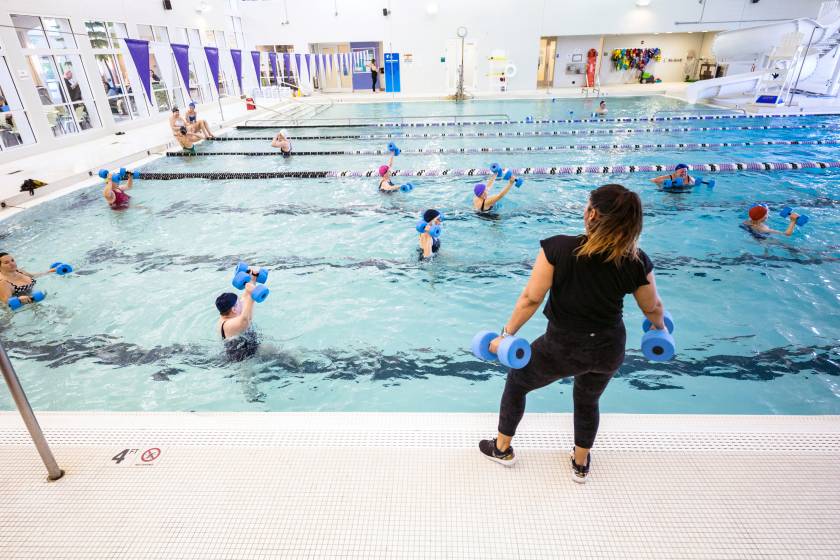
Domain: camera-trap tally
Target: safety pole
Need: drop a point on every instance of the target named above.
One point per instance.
(23, 406)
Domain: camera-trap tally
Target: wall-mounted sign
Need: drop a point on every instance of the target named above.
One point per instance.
(407, 57)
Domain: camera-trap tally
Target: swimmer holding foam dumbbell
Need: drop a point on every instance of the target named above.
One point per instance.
(482, 202)
(680, 176)
(281, 140)
(385, 183)
(114, 194)
(17, 287)
(757, 221)
(429, 228)
(236, 314)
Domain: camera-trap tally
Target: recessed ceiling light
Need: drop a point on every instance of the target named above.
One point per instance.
(642, 3)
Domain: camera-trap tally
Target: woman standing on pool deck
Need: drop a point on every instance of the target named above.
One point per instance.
(15, 282)
(587, 277)
(374, 74)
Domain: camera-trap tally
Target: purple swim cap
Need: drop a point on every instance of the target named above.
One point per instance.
(383, 169)
(479, 189)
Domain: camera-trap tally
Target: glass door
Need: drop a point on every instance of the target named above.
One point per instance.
(545, 68)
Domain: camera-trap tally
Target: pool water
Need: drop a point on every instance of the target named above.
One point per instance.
(356, 322)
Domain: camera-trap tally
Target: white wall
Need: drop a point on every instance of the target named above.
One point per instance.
(512, 26)
(674, 46)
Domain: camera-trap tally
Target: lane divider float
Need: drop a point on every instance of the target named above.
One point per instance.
(535, 133)
(482, 171)
(525, 149)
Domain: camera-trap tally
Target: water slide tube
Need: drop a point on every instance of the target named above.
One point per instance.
(749, 46)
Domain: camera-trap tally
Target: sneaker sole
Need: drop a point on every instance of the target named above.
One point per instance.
(503, 462)
(578, 479)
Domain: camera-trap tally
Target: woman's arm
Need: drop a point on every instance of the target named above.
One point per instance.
(531, 297)
(792, 225)
(491, 180)
(647, 298)
(108, 193)
(5, 292)
(497, 197)
(426, 244)
(661, 179)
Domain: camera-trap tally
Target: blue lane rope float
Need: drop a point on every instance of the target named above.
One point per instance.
(480, 171)
(535, 133)
(387, 124)
(524, 149)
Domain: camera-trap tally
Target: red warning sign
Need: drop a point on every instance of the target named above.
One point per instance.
(150, 455)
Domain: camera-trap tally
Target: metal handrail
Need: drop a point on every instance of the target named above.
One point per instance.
(25, 409)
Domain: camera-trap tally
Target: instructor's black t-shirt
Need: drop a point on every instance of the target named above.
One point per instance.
(587, 292)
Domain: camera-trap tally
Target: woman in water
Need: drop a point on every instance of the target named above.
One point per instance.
(196, 125)
(586, 277)
(385, 183)
(482, 202)
(234, 324)
(680, 172)
(757, 222)
(179, 129)
(281, 141)
(429, 245)
(114, 194)
(15, 282)
(602, 108)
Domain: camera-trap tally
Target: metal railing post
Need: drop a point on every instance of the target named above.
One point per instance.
(23, 406)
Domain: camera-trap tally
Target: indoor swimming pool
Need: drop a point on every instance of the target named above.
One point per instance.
(356, 322)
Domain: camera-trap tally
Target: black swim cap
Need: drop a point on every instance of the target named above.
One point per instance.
(430, 215)
(225, 302)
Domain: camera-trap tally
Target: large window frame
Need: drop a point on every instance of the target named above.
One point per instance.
(15, 129)
(106, 42)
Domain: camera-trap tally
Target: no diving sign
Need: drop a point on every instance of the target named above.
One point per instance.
(137, 456)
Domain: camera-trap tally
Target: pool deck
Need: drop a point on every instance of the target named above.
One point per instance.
(413, 485)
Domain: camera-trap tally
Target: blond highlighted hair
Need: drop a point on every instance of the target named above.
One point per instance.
(614, 233)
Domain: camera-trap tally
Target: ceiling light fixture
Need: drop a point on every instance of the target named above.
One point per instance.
(643, 3)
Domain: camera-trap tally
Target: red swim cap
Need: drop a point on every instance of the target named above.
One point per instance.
(758, 212)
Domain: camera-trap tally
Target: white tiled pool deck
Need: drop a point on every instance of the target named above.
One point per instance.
(369, 485)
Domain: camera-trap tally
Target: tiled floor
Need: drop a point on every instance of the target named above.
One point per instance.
(324, 485)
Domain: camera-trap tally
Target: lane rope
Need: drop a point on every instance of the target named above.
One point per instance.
(482, 171)
(540, 121)
(535, 133)
(525, 149)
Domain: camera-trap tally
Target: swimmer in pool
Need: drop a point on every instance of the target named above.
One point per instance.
(234, 324)
(429, 245)
(281, 141)
(180, 131)
(482, 202)
(757, 222)
(385, 183)
(680, 172)
(15, 282)
(196, 125)
(602, 108)
(114, 194)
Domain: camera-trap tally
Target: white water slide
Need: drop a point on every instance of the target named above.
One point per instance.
(766, 47)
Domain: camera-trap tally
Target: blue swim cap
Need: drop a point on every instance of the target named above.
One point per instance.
(680, 166)
(225, 302)
(192, 103)
(479, 189)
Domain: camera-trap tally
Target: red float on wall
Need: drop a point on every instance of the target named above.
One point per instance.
(591, 58)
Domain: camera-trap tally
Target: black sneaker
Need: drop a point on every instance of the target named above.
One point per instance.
(580, 472)
(489, 449)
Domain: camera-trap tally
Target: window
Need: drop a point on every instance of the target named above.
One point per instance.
(105, 34)
(161, 33)
(209, 38)
(165, 96)
(14, 122)
(221, 42)
(239, 36)
(180, 35)
(64, 92)
(36, 32)
(114, 76)
(195, 37)
(145, 32)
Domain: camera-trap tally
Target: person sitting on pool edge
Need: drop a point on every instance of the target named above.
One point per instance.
(282, 141)
(385, 183)
(429, 245)
(114, 194)
(602, 108)
(234, 324)
(680, 172)
(587, 277)
(757, 222)
(180, 131)
(484, 203)
(196, 125)
(15, 282)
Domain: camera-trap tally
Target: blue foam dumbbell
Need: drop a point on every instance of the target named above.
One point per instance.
(393, 148)
(496, 168)
(434, 231)
(61, 268)
(406, 187)
(529, 119)
(518, 182)
(103, 173)
(508, 174)
(708, 182)
(658, 346)
(513, 352)
(800, 221)
(260, 293)
(678, 182)
(243, 268)
(15, 303)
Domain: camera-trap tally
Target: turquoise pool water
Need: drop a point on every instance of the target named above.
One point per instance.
(356, 322)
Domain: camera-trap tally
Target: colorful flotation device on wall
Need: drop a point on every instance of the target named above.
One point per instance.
(624, 59)
(591, 58)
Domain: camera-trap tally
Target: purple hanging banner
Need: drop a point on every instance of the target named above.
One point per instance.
(308, 74)
(182, 57)
(286, 66)
(272, 65)
(139, 51)
(236, 55)
(255, 56)
(213, 60)
(298, 68)
(318, 69)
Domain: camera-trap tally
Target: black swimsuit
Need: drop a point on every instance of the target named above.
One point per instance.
(240, 347)
(24, 290)
(390, 184)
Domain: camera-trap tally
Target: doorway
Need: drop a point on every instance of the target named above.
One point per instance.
(452, 56)
(545, 68)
